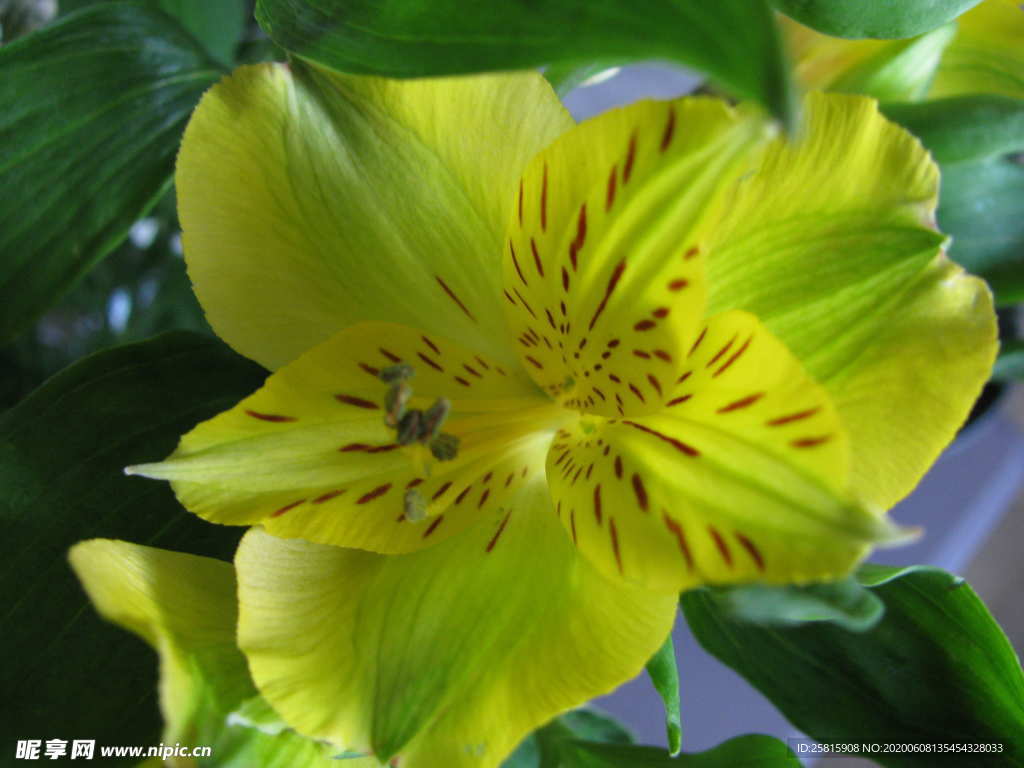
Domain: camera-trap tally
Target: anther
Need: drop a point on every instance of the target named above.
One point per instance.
(396, 373)
(444, 447)
(410, 428)
(415, 506)
(433, 418)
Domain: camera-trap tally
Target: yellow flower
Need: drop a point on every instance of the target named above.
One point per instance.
(660, 349)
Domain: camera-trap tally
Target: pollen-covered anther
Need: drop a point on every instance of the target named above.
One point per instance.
(395, 403)
(415, 506)
(434, 417)
(394, 374)
(410, 428)
(444, 447)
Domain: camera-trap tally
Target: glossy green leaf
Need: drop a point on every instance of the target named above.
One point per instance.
(936, 669)
(751, 751)
(733, 41)
(91, 113)
(886, 19)
(62, 451)
(664, 673)
(964, 128)
(1010, 364)
(217, 24)
(845, 603)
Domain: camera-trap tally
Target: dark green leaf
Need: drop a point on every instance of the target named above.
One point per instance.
(542, 749)
(741, 752)
(91, 113)
(964, 128)
(664, 674)
(19, 17)
(1010, 365)
(936, 669)
(734, 41)
(887, 19)
(217, 24)
(845, 603)
(62, 451)
(980, 206)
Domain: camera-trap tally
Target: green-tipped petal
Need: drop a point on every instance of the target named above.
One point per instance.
(738, 477)
(311, 200)
(310, 453)
(604, 262)
(184, 606)
(988, 53)
(446, 657)
(831, 244)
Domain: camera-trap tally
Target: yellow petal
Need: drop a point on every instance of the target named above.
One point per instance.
(310, 455)
(312, 200)
(987, 55)
(831, 244)
(446, 657)
(740, 476)
(604, 268)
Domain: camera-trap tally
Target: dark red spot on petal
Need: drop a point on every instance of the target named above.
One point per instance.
(440, 491)
(431, 344)
(328, 496)
(615, 543)
(483, 497)
(436, 366)
(661, 354)
(722, 351)
(791, 417)
(753, 551)
(677, 530)
(597, 503)
(627, 169)
(535, 363)
(735, 356)
(462, 381)
(679, 445)
(723, 548)
(453, 297)
(497, 535)
(678, 400)
(670, 127)
(678, 284)
(284, 509)
(741, 403)
(370, 369)
(544, 201)
(697, 342)
(636, 391)
(515, 262)
(692, 253)
(536, 258)
(810, 442)
(462, 495)
(618, 467)
(565, 280)
(572, 524)
(274, 417)
(609, 198)
(390, 355)
(661, 312)
(358, 402)
(640, 492)
(433, 526)
(520, 202)
(644, 325)
(652, 379)
(377, 492)
(640, 353)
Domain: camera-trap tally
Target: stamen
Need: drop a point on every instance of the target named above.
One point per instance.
(433, 418)
(444, 447)
(415, 506)
(395, 401)
(394, 374)
(410, 428)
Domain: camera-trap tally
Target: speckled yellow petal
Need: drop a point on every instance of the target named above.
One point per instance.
(739, 477)
(603, 261)
(830, 242)
(448, 657)
(310, 454)
(312, 200)
(987, 55)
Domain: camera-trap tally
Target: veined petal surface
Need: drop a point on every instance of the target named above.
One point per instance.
(312, 200)
(445, 657)
(830, 242)
(987, 55)
(309, 454)
(604, 261)
(740, 476)
(184, 606)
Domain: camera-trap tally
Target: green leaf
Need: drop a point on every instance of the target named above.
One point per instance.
(1010, 364)
(845, 603)
(217, 24)
(886, 19)
(735, 42)
(979, 205)
(542, 749)
(62, 451)
(964, 128)
(750, 751)
(664, 674)
(91, 113)
(936, 669)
